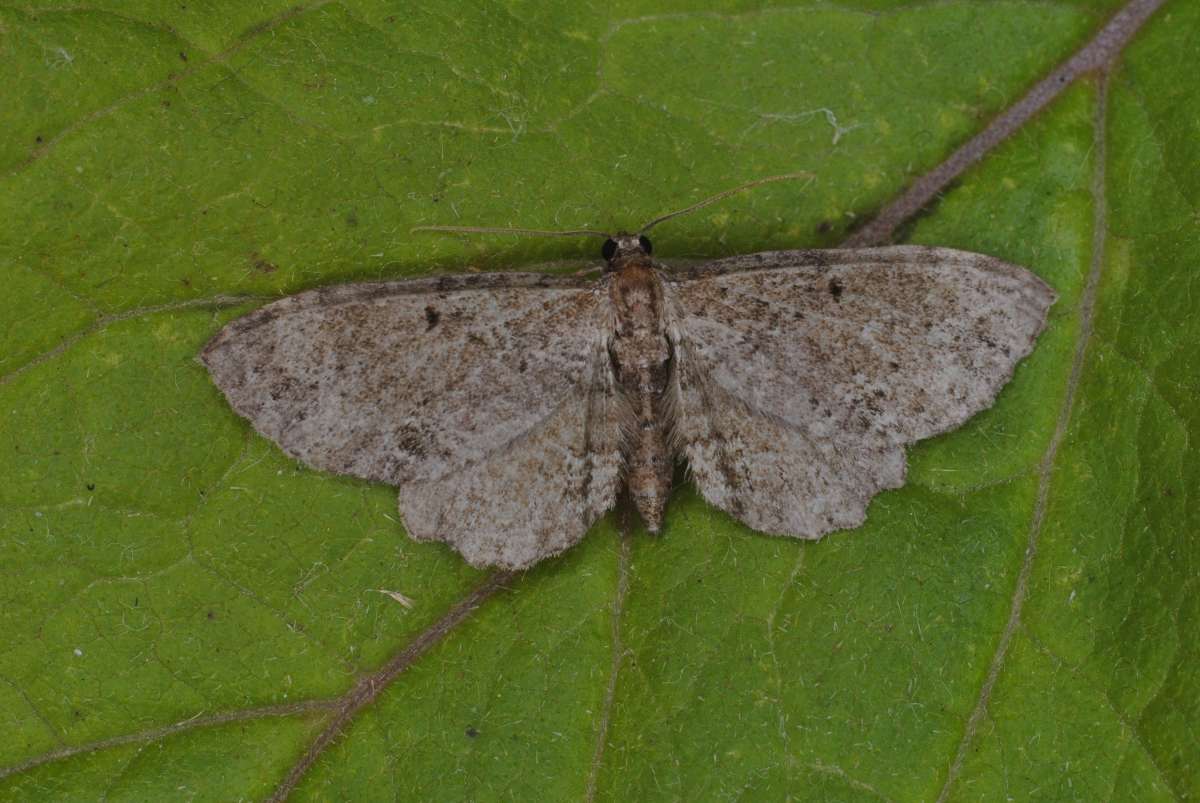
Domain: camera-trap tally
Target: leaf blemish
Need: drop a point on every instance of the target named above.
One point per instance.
(261, 264)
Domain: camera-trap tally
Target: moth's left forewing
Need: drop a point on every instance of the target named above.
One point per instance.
(801, 374)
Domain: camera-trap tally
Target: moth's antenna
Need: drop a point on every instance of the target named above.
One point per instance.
(518, 232)
(714, 198)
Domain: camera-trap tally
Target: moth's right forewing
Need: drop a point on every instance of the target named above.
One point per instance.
(903, 342)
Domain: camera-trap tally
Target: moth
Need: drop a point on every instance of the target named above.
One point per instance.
(512, 410)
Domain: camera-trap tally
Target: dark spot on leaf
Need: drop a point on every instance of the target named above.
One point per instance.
(432, 316)
(261, 264)
(471, 732)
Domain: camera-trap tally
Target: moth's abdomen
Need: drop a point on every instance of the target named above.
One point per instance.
(650, 466)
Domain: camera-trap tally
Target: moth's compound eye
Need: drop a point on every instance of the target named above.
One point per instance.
(609, 250)
(644, 242)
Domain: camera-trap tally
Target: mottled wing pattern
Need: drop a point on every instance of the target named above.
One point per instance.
(801, 375)
(487, 399)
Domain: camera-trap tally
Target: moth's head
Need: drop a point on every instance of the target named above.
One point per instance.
(621, 248)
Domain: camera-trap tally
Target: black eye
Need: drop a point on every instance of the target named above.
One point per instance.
(644, 242)
(609, 250)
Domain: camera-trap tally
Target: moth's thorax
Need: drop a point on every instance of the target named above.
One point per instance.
(640, 339)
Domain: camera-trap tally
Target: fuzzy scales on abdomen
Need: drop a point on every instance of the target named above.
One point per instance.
(641, 355)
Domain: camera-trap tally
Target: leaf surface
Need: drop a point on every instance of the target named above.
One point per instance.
(184, 609)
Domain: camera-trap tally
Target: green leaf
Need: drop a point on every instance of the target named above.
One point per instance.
(184, 610)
